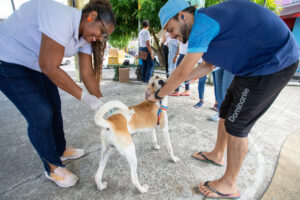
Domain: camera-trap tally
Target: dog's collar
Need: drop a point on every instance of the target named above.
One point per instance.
(165, 108)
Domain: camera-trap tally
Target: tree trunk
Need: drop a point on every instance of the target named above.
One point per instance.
(159, 51)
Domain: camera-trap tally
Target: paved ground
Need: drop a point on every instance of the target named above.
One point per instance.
(22, 176)
(286, 180)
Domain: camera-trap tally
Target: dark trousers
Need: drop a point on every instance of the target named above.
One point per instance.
(37, 98)
(166, 53)
(148, 66)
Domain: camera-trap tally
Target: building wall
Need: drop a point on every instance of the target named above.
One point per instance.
(296, 30)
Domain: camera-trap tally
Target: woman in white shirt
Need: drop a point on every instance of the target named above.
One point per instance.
(145, 46)
(33, 42)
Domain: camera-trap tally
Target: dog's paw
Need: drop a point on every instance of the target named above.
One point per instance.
(175, 159)
(156, 147)
(102, 186)
(144, 188)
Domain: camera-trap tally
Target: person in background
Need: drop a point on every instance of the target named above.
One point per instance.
(33, 42)
(145, 46)
(201, 88)
(222, 80)
(164, 42)
(181, 50)
(172, 57)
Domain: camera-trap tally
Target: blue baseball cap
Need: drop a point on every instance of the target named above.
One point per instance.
(170, 9)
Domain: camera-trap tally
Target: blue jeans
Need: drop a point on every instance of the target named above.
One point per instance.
(37, 98)
(148, 66)
(173, 46)
(201, 87)
(222, 80)
(187, 86)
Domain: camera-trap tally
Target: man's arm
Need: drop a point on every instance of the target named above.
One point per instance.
(87, 74)
(176, 55)
(163, 40)
(201, 70)
(50, 58)
(180, 74)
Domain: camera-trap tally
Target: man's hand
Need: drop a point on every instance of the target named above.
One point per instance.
(152, 57)
(174, 59)
(94, 102)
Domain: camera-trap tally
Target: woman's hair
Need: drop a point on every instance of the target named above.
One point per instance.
(145, 23)
(104, 10)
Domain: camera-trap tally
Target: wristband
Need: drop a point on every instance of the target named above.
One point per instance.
(156, 95)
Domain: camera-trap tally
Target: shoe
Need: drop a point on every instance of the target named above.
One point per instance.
(185, 93)
(62, 177)
(71, 153)
(174, 94)
(215, 108)
(215, 117)
(199, 104)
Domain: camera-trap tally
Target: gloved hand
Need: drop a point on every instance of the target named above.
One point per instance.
(94, 102)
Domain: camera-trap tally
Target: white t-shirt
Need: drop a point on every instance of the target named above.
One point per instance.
(183, 48)
(168, 37)
(144, 36)
(20, 34)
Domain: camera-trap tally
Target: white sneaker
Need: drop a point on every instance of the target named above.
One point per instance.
(215, 117)
(62, 177)
(71, 153)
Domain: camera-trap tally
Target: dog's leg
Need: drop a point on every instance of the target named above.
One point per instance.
(154, 140)
(165, 129)
(132, 160)
(106, 151)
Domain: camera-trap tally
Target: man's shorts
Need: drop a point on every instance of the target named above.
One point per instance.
(248, 98)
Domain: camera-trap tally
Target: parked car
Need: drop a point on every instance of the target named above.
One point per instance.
(129, 58)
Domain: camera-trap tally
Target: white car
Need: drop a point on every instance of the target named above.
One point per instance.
(130, 58)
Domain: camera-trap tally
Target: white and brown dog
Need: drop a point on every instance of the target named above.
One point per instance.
(119, 126)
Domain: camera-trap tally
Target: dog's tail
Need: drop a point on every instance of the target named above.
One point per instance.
(99, 116)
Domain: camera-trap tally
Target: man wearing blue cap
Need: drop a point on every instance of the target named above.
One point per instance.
(257, 48)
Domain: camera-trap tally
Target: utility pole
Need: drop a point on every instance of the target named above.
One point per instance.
(13, 5)
(139, 18)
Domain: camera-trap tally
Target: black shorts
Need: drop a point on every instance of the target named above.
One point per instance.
(248, 98)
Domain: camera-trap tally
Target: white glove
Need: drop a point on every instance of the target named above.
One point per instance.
(94, 102)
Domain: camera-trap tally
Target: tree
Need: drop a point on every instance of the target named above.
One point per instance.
(125, 12)
(270, 4)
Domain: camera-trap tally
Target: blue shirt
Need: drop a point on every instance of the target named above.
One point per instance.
(243, 38)
(20, 33)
